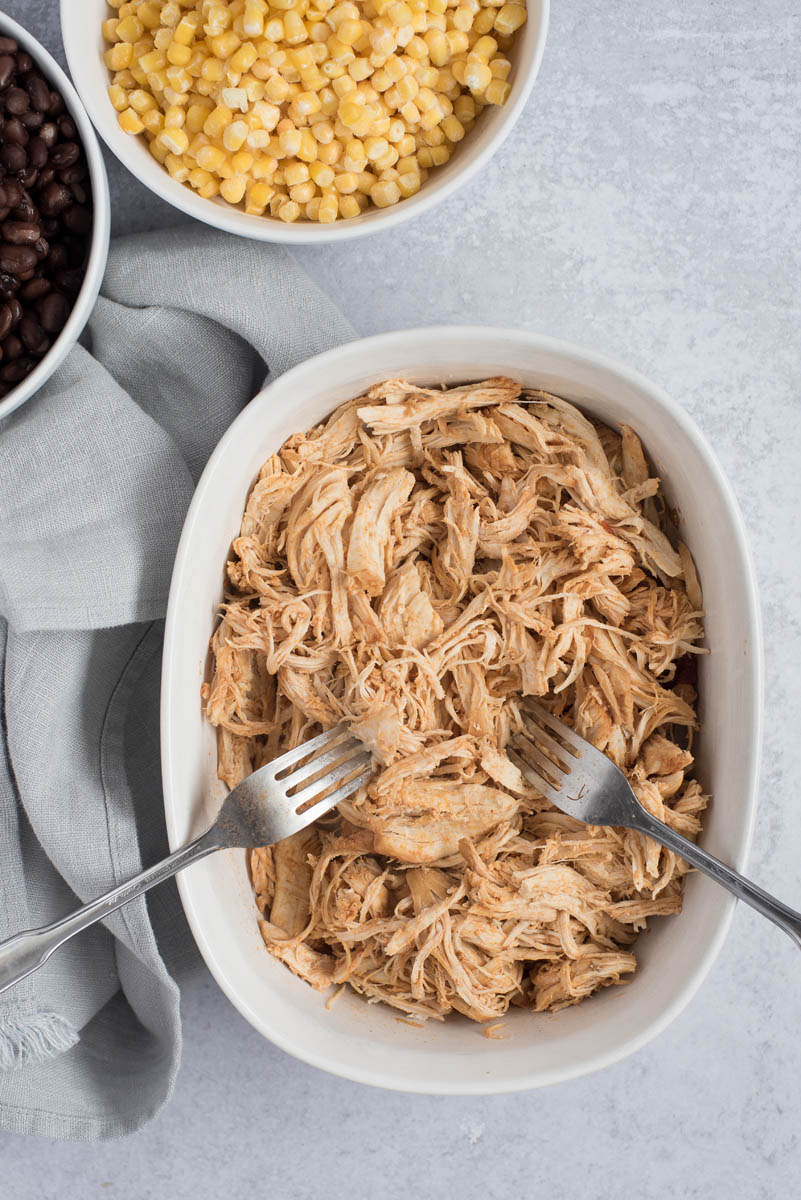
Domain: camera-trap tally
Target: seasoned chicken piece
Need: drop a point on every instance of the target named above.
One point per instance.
(370, 532)
(407, 615)
(409, 406)
(291, 909)
(429, 819)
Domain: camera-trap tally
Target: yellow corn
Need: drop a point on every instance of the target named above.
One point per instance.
(233, 189)
(306, 109)
(119, 56)
(130, 121)
(497, 91)
(508, 20)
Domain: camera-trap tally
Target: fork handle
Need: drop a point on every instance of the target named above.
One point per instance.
(25, 952)
(780, 914)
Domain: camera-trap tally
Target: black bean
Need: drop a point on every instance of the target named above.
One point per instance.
(46, 175)
(67, 128)
(32, 121)
(79, 193)
(34, 289)
(28, 178)
(78, 219)
(24, 62)
(54, 198)
(65, 154)
(32, 335)
(13, 372)
(13, 190)
(13, 157)
(9, 285)
(6, 321)
(49, 133)
(53, 312)
(37, 153)
(8, 46)
(17, 260)
(25, 210)
(16, 310)
(57, 258)
(17, 101)
(14, 131)
(70, 280)
(20, 233)
(6, 68)
(56, 104)
(12, 346)
(39, 93)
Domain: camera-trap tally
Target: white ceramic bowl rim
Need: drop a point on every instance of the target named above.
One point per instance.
(173, 696)
(83, 53)
(101, 222)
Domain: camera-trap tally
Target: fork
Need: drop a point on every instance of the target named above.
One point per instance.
(582, 782)
(274, 802)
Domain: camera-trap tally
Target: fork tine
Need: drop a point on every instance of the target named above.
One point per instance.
(574, 742)
(543, 787)
(565, 757)
(308, 749)
(340, 771)
(528, 750)
(321, 807)
(306, 772)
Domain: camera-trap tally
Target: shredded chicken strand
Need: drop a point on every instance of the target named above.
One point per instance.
(414, 565)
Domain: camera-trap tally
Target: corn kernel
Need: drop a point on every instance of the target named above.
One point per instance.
(109, 29)
(497, 91)
(178, 55)
(294, 29)
(153, 120)
(129, 30)
(289, 211)
(509, 19)
(210, 158)
(385, 193)
(118, 97)
(477, 75)
(253, 21)
(308, 150)
(259, 195)
(452, 128)
(119, 56)
(174, 141)
(217, 121)
(409, 183)
(233, 189)
(129, 121)
(289, 141)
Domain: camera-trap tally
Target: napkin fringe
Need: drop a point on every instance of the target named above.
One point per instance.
(34, 1038)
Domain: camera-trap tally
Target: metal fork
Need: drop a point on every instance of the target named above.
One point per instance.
(582, 782)
(279, 799)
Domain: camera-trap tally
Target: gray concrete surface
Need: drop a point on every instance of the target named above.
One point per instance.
(646, 205)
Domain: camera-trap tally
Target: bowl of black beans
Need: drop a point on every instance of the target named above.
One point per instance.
(54, 215)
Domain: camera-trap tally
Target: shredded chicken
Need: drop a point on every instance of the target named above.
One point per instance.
(414, 565)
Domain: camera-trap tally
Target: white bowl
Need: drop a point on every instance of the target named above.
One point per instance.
(367, 1042)
(80, 28)
(98, 250)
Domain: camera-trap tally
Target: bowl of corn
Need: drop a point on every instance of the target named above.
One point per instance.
(304, 120)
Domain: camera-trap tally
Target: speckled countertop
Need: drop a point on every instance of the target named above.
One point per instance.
(646, 205)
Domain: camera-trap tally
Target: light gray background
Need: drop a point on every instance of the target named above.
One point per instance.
(646, 205)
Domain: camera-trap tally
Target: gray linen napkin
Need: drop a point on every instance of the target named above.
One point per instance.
(96, 473)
